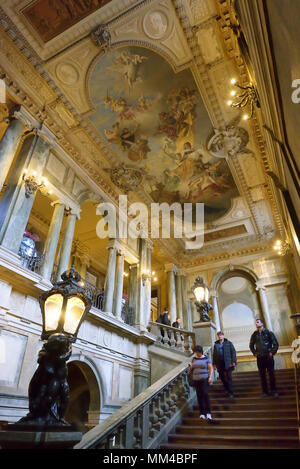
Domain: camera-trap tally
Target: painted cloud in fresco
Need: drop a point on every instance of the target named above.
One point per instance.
(155, 120)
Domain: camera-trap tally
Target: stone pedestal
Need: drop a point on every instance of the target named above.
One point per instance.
(205, 333)
(15, 437)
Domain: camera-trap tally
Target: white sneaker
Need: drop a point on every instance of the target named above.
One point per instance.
(202, 417)
(208, 416)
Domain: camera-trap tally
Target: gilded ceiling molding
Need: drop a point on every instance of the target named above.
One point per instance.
(210, 99)
(228, 22)
(249, 251)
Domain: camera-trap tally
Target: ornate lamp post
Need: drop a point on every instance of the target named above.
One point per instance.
(64, 307)
(201, 292)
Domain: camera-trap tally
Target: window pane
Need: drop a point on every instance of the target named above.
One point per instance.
(74, 312)
(53, 306)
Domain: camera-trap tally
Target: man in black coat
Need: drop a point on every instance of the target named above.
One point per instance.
(178, 326)
(263, 344)
(224, 360)
(163, 318)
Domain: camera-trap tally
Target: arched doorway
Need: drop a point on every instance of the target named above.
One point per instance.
(84, 396)
(239, 305)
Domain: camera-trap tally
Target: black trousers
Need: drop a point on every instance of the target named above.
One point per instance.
(226, 377)
(266, 364)
(202, 388)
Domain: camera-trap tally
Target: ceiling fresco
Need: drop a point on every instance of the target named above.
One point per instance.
(156, 122)
(52, 17)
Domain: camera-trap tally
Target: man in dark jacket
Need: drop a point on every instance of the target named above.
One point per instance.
(263, 344)
(178, 326)
(224, 359)
(163, 318)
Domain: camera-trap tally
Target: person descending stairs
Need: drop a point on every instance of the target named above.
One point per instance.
(246, 421)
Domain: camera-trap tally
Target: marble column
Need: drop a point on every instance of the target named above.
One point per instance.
(264, 305)
(110, 280)
(17, 219)
(148, 284)
(178, 287)
(186, 306)
(217, 322)
(8, 147)
(171, 292)
(144, 279)
(133, 290)
(66, 245)
(117, 310)
(52, 241)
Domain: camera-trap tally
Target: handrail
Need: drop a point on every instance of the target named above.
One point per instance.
(143, 422)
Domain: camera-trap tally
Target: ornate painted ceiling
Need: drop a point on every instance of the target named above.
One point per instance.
(136, 93)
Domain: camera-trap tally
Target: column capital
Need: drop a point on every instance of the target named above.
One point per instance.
(57, 202)
(260, 285)
(182, 272)
(214, 293)
(171, 268)
(26, 118)
(70, 205)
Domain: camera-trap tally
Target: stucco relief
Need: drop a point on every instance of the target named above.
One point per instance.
(252, 170)
(67, 73)
(200, 10)
(15, 63)
(209, 44)
(155, 24)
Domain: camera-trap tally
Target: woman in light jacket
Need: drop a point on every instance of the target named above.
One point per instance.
(202, 371)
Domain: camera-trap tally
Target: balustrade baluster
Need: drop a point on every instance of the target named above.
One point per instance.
(153, 419)
(145, 425)
(137, 431)
(129, 428)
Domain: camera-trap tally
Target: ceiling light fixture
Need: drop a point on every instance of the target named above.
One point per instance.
(247, 97)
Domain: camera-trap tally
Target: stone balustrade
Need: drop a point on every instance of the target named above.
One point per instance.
(177, 339)
(146, 420)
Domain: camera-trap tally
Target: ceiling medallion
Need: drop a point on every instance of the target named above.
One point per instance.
(127, 179)
(229, 142)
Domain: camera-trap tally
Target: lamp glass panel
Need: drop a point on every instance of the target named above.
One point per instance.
(199, 293)
(53, 307)
(74, 312)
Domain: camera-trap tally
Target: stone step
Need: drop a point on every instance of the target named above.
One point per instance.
(283, 413)
(217, 428)
(257, 441)
(242, 398)
(231, 405)
(290, 391)
(246, 421)
(226, 445)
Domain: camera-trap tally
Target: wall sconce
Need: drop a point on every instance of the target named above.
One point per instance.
(146, 276)
(281, 247)
(248, 96)
(31, 183)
